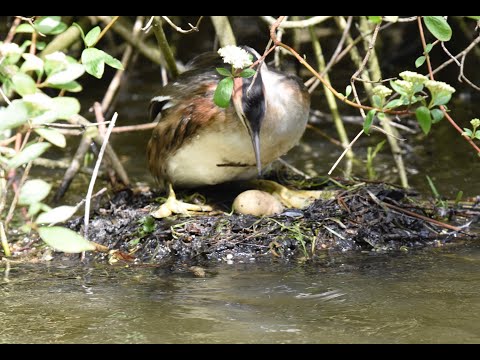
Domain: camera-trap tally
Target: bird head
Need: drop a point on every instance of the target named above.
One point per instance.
(250, 104)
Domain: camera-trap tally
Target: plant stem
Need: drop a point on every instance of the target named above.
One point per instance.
(164, 47)
(223, 30)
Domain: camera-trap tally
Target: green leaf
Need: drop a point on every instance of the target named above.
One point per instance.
(72, 72)
(224, 72)
(467, 132)
(94, 62)
(112, 62)
(92, 36)
(33, 191)
(437, 115)
(377, 101)
(441, 99)
(423, 117)
(428, 48)
(14, 115)
(71, 86)
(247, 73)
(53, 136)
(24, 28)
(369, 120)
(23, 84)
(57, 215)
(223, 92)
(65, 240)
(394, 103)
(439, 27)
(40, 45)
(65, 107)
(473, 17)
(31, 63)
(30, 153)
(375, 19)
(420, 61)
(348, 91)
(34, 209)
(399, 88)
(48, 25)
(477, 135)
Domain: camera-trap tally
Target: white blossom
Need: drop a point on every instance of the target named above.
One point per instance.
(413, 77)
(382, 91)
(235, 56)
(406, 85)
(439, 86)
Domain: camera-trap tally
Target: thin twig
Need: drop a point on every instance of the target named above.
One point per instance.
(5, 98)
(94, 175)
(12, 31)
(460, 54)
(4, 241)
(106, 28)
(13, 205)
(128, 128)
(424, 218)
(179, 29)
(74, 167)
(117, 78)
(345, 152)
(315, 20)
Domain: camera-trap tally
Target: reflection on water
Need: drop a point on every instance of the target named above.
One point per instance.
(426, 296)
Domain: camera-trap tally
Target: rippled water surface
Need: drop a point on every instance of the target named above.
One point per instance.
(425, 296)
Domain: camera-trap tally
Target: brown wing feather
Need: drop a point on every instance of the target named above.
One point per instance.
(178, 125)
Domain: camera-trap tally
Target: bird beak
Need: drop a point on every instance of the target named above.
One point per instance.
(252, 125)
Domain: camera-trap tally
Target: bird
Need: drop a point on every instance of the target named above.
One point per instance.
(197, 143)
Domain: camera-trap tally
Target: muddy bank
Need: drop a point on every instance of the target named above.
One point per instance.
(373, 217)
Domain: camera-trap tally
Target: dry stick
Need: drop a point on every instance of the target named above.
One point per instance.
(462, 75)
(110, 153)
(94, 175)
(105, 29)
(332, 104)
(102, 131)
(117, 79)
(315, 20)
(179, 29)
(140, 127)
(74, 167)
(333, 59)
(4, 241)
(460, 54)
(17, 195)
(345, 152)
(429, 65)
(11, 32)
(425, 218)
(223, 30)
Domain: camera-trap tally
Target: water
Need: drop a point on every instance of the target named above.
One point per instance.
(425, 296)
